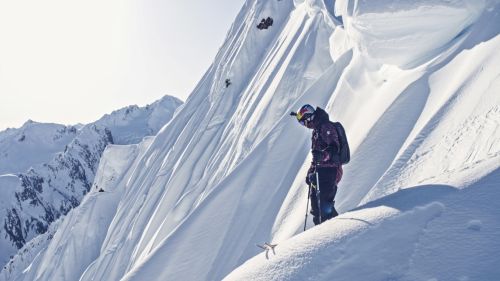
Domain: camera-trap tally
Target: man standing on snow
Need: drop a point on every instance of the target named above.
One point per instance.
(326, 164)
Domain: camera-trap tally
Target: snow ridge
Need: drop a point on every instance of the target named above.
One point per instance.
(61, 162)
(420, 108)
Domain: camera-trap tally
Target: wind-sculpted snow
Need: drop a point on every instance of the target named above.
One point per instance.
(215, 147)
(406, 33)
(228, 171)
(84, 227)
(62, 162)
(410, 129)
(420, 233)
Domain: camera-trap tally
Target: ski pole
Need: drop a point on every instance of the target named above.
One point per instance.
(307, 206)
(318, 192)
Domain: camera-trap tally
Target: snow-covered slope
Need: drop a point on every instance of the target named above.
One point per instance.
(60, 163)
(421, 109)
(429, 232)
(37, 143)
(32, 200)
(419, 131)
(32, 144)
(130, 124)
(82, 226)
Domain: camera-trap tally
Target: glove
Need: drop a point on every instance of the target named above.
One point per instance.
(317, 156)
(311, 179)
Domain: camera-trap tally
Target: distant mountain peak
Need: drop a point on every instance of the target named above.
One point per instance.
(55, 166)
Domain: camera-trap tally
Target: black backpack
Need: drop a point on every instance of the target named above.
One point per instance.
(344, 152)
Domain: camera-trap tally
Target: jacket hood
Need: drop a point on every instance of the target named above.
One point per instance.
(320, 116)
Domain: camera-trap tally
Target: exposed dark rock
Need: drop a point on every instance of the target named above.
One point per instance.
(68, 178)
(13, 227)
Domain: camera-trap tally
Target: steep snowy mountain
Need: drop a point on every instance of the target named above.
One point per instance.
(37, 143)
(50, 187)
(32, 144)
(130, 124)
(97, 208)
(415, 84)
(34, 199)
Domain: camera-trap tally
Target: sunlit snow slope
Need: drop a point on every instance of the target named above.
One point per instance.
(32, 144)
(422, 112)
(79, 235)
(49, 167)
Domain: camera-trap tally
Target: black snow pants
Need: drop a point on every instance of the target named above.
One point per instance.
(328, 190)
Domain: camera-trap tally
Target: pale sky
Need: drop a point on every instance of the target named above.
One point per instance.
(68, 61)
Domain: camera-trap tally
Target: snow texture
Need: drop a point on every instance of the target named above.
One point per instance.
(49, 167)
(415, 84)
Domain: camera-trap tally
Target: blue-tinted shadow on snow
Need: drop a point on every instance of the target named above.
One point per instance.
(409, 198)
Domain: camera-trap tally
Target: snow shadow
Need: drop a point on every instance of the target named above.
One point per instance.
(409, 198)
(377, 152)
(377, 160)
(469, 37)
(478, 33)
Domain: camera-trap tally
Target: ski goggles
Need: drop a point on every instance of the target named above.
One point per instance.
(305, 119)
(305, 114)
